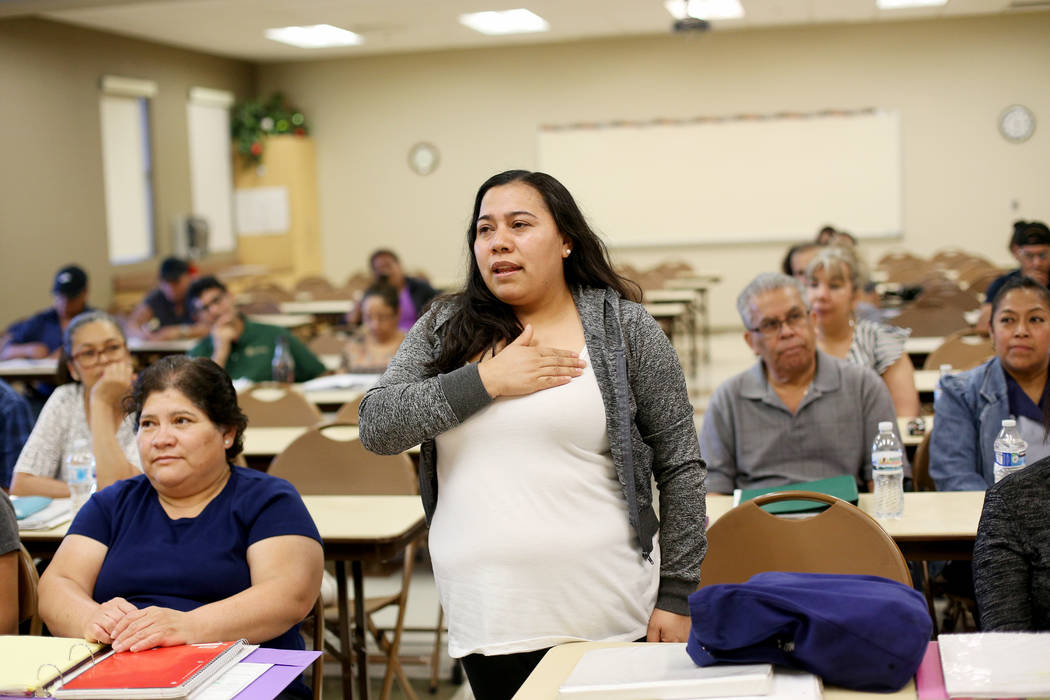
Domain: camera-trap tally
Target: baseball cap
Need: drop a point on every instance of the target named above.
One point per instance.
(70, 281)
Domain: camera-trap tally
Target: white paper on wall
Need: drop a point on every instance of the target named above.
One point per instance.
(262, 210)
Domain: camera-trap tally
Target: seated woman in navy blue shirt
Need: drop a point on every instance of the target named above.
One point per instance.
(195, 549)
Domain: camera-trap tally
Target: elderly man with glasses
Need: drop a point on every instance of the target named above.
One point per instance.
(797, 414)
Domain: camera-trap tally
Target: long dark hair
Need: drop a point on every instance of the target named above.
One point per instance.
(480, 320)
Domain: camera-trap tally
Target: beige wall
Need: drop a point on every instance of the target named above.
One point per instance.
(949, 80)
(52, 208)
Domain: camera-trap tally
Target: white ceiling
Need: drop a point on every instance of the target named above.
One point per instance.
(234, 28)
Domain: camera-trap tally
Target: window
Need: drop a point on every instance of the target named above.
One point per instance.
(127, 168)
(211, 168)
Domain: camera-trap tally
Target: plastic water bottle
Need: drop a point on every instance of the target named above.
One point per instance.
(1010, 450)
(283, 362)
(945, 371)
(80, 473)
(887, 470)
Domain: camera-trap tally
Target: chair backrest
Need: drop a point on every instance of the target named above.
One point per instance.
(275, 406)
(840, 540)
(28, 580)
(979, 282)
(930, 321)
(920, 466)
(962, 350)
(327, 343)
(348, 412)
(322, 462)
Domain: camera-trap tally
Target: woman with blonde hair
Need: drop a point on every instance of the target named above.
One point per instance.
(834, 279)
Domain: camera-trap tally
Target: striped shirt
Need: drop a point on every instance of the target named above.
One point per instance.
(876, 345)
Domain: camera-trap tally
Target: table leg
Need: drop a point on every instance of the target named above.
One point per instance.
(344, 629)
(359, 629)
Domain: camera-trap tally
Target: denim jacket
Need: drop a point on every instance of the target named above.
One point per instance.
(969, 414)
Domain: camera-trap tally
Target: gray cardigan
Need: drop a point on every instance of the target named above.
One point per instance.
(649, 418)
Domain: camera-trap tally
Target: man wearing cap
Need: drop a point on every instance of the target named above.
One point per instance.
(164, 314)
(41, 335)
(1030, 244)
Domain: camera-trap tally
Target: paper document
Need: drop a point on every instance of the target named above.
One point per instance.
(659, 672)
(341, 381)
(996, 664)
(232, 682)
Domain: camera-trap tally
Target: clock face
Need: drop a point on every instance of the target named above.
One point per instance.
(423, 158)
(1017, 123)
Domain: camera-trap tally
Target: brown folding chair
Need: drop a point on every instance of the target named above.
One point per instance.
(322, 462)
(930, 321)
(840, 540)
(277, 406)
(962, 350)
(348, 412)
(28, 580)
(920, 466)
(314, 287)
(328, 343)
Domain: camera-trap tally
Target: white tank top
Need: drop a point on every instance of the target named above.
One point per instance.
(530, 540)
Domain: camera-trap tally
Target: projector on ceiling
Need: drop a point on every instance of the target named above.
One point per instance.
(689, 25)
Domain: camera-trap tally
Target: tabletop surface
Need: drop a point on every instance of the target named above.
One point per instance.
(338, 518)
(558, 663)
(922, 344)
(930, 515)
(316, 306)
(26, 367)
(174, 345)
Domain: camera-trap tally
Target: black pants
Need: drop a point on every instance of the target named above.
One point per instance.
(499, 677)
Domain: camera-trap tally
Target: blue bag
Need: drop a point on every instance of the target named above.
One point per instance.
(859, 632)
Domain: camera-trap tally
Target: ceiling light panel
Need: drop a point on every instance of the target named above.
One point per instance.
(316, 36)
(705, 9)
(519, 21)
(901, 4)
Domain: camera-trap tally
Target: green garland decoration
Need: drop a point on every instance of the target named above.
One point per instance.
(253, 120)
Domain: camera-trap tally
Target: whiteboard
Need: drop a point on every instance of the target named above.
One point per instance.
(748, 179)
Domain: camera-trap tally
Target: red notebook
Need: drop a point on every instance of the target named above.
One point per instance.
(164, 672)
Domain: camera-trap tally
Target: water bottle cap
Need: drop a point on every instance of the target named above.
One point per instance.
(885, 426)
(1009, 423)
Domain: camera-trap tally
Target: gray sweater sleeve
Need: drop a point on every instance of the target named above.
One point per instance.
(409, 404)
(1011, 579)
(664, 417)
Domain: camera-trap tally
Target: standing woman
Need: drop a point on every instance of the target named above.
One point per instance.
(95, 355)
(973, 404)
(545, 401)
(834, 282)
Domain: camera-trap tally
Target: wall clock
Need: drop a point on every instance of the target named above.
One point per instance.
(1016, 123)
(423, 158)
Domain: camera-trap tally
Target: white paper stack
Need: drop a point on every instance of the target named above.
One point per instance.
(663, 672)
(996, 664)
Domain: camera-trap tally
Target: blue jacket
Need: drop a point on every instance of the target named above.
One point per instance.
(969, 414)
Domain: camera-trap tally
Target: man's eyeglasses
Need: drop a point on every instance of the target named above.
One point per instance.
(1033, 255)
(91, 356)
(770, 327)
(206, 306)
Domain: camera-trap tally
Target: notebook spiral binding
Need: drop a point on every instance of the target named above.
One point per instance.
(59, 680)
